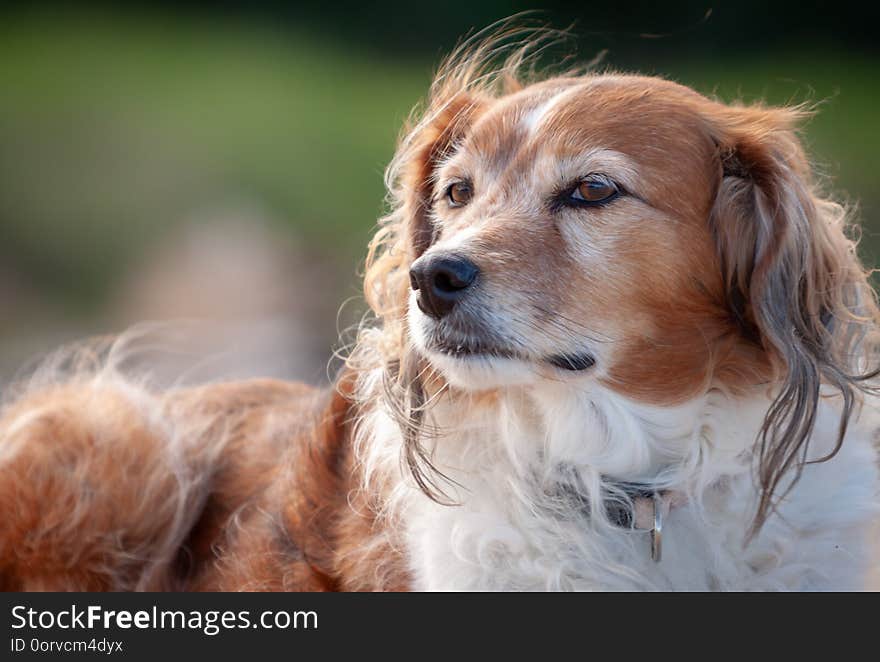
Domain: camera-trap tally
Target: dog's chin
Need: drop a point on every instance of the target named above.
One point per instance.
(480, 372)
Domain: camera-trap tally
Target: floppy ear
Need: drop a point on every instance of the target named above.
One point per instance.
(424, 150)
(794, 282)
(469, 81)
(404, 234)
(407, 231)
(433, 140)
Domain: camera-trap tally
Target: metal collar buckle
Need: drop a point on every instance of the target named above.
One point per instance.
(648, 513)
(657, 531)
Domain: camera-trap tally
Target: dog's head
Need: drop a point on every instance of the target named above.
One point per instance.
(618, 230)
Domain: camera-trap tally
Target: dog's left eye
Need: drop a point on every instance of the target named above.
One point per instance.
(459, 194)
(594, 190)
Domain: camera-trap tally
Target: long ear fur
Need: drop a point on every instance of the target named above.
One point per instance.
(406, 233)
(794, 281)
(468, 81)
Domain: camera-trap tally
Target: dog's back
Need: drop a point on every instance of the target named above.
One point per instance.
(107, 486)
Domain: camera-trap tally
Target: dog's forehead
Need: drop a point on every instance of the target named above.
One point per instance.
(600, 110)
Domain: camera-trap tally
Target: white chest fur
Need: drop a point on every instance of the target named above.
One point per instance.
(516, 530)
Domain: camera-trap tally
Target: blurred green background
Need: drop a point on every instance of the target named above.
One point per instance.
(225, 162)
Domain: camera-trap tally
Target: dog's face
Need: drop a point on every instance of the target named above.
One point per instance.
(570, 241)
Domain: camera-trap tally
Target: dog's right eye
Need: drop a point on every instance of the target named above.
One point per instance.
(459, 194)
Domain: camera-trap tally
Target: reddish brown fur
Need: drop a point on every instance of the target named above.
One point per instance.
(271, 512)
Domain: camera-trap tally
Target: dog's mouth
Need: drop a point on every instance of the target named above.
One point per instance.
(465, 348)
(572, 362)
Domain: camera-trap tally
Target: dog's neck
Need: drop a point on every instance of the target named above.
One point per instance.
(554, 431)
(532, 469)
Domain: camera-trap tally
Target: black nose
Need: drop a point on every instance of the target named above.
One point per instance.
(441, 280)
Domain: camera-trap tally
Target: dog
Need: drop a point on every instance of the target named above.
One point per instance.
(622, 341)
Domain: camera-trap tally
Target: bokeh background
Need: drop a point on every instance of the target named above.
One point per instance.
(224, 162)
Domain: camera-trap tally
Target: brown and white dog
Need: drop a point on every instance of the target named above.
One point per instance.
(622, 342)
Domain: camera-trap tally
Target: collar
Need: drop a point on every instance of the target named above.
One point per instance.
(644, 509)
(649, 508)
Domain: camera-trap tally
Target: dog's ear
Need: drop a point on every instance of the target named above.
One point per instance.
(794, 283)
(408, 230)
(467, 83)
(422, 151)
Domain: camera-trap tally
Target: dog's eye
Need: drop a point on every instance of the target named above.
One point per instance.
(594, 190)
(460, 193)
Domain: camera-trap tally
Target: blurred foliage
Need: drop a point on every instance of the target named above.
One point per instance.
(116, 126)
(114, 129)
